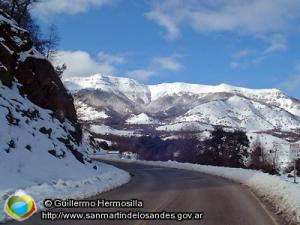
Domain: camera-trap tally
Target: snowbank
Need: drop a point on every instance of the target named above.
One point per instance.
(282, 194)
(108, 177)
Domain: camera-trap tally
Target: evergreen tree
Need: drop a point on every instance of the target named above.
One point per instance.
(226, 148)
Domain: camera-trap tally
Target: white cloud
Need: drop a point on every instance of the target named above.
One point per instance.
(247, 57)
(243, 53)
(110, 59)
(251, 16)
(234, 65)
(168, 63)
(80, 63)
(45, 8)
(157, 65)
(141, 74)
(259, 59)
(277, 43)
(165, 21)
(298, 67)
(293, 82)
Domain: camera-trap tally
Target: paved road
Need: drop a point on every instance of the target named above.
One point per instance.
(163, 189)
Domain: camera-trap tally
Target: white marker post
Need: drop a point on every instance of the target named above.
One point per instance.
(295, 154)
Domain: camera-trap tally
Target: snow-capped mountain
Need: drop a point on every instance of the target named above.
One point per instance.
(176, 106)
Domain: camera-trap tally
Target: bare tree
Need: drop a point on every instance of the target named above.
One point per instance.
(51, 42)
(60, 70)
(258, 156)
(4, 6)
(17, 9)
(274, 156)
(20, 11)
(261, 159)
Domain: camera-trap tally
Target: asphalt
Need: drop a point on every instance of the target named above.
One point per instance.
(172, 190)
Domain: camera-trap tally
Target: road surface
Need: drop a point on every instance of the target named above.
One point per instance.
(163, 189)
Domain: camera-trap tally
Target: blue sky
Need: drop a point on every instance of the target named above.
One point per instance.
(250, 43)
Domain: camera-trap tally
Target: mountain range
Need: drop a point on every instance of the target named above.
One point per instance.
(123, 103)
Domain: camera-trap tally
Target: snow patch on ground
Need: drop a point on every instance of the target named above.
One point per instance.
(103, 140)
(103, 129)
(142, 118)
(185, 126)
(88, 113)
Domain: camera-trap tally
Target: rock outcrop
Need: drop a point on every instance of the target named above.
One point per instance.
(19, 60)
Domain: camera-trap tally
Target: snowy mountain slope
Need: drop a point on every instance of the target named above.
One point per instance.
(30, 132)
(39, 155)
(146, 94)
(41, 147)
(252, 115)
(269, 96)
(181, 103)
(88, 113)
(120, 86)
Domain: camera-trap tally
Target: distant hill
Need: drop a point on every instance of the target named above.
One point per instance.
(122, 101)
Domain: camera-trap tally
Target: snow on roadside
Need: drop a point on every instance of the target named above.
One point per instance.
(282, 194)
(109, 177)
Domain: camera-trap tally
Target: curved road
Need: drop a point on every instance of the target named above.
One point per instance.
(162, 189)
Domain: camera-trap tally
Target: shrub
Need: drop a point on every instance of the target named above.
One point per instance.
(259, 159)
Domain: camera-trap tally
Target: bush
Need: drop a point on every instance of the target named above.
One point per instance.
(290, 168)
(259, 159)
(152, 148)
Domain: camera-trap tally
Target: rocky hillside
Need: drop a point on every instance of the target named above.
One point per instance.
(122, 102)
(40, 140)
(20, 61)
